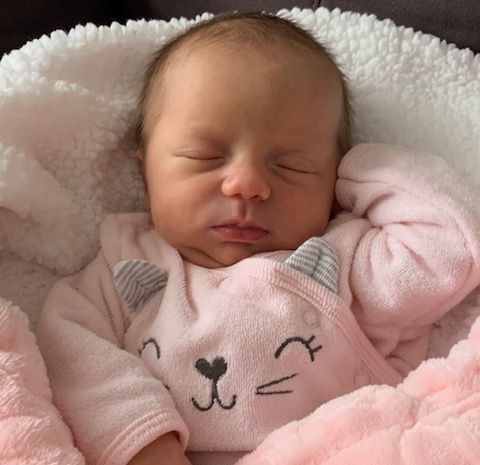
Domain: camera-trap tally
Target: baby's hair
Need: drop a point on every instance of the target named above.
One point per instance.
(262, 29)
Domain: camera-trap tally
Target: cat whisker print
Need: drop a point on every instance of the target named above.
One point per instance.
(260, 389)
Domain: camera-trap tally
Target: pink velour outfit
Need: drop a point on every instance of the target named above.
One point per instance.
(141, 342)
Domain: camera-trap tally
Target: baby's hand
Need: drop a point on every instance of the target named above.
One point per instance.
(166, 450)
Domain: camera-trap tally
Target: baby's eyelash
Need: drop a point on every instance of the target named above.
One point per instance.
(202, 157)
(199, 155)
(294, 170)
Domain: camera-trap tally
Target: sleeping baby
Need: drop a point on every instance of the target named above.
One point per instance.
(275, 270)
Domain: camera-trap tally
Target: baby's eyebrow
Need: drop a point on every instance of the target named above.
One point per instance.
(205, 140)
(294, 152)
(206, 134)
(302, 155)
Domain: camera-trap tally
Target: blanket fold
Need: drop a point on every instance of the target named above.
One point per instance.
(31, 429)
(432, 418)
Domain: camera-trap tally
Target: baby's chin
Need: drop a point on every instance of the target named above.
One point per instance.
(224, 255)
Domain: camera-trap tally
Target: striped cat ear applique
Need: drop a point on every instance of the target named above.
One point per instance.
(137, 281)
(317, 258)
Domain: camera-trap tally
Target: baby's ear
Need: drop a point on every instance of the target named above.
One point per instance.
(140, 156)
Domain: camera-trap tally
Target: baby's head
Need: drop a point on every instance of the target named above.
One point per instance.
(243, 121)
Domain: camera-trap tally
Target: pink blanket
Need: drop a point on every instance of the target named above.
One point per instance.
(31, 430)
(432, 418)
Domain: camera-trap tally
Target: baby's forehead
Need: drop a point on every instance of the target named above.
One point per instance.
(228, 55)
(207, 52)
(207, 59)
(279, 50)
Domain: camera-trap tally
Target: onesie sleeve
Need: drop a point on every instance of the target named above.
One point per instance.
(420, 254)
(112, 403)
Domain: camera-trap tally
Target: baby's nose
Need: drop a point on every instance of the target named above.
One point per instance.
(247, 181)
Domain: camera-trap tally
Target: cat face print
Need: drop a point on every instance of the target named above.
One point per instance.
(246, 348)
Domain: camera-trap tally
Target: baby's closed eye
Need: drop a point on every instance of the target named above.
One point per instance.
(301, 164)
(199, 160)
(293, 168)
(200, 155)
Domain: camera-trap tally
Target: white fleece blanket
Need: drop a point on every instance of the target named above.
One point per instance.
(66, 156)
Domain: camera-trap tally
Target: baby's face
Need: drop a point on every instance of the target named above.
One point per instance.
(242, 153)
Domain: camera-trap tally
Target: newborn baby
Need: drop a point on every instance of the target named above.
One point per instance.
(273, 272)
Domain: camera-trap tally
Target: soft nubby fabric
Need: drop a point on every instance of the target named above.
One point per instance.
(31, 429)
(432, 418)
(226, 356)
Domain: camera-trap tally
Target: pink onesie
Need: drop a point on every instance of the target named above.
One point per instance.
(141, 342)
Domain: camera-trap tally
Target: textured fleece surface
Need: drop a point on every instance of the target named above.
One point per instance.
(31, 429)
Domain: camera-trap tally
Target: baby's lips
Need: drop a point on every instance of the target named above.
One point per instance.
(238, 233)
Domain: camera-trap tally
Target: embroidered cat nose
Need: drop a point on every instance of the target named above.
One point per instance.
(213, 370)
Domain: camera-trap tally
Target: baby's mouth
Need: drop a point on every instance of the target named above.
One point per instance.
(247, 232)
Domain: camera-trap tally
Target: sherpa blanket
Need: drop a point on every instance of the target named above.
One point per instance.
(66, 109)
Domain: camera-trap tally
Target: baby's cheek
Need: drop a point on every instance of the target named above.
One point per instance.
(304, 225)
(166, 218)
(168, 201)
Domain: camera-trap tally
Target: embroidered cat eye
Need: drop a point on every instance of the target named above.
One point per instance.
(306, 342)
(145, 344)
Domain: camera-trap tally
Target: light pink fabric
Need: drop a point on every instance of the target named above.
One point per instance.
(31, 429)
(432, 418)
(408, 247)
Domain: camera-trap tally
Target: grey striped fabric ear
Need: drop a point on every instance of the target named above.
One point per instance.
(137, 281)
(317, 258)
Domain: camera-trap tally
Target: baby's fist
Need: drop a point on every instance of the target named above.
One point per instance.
(166, 450)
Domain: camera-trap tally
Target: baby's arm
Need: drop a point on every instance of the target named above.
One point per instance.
(112, 403)
(166, 450)
(419, 251)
